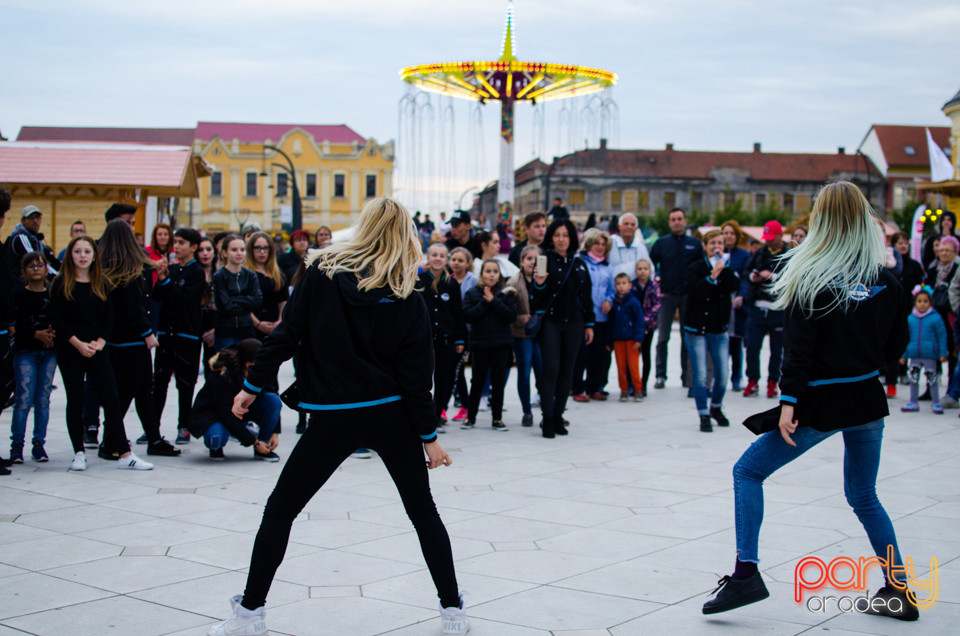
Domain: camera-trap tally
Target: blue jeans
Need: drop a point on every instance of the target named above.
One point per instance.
(33, 377)
(697, 347)
(527, 353)
(265, 411)
(861, 460)
(760, 323)
(953, 389)
(219, 342)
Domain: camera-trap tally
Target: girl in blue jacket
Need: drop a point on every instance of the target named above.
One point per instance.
(928, 343)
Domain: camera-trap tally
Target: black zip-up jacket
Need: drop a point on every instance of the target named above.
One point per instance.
(214, 403)
(674, 255)
(762, 259)
(8, 314)
(236, 295)
(574, 302)
(709, 301)
(181, 294)
(272, 297)
(353, 349)
(490, 321)
(132, 307)
(446, 311)
(33, 314)
(830, 360)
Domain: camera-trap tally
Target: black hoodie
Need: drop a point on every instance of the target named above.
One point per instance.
(354, 349)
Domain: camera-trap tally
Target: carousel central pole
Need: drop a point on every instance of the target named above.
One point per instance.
(506, 181)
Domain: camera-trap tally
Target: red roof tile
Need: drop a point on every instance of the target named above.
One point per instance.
(681, 164)
(132, 165)
(167, 136)
(895, 139)
(258, 133)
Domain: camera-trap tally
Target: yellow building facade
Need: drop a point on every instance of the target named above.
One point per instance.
(337, 171)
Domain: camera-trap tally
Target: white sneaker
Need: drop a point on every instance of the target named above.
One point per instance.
(132, 462)
(79, 461)
(454, 619)
(243, 622)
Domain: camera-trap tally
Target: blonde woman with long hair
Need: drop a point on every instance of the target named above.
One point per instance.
(364, 370)
(844, 320)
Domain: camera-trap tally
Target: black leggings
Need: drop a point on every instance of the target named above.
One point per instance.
(178, 357)
(134, 374)
(328, 441)
(98, 369)
(559, 344)
(444, 372)
(496, 361)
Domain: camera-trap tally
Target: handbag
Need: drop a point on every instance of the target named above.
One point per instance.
(765, 422)
(532, 328)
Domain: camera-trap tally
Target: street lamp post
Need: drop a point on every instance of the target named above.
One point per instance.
(297, 221)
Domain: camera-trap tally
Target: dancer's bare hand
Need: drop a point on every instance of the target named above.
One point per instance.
(241, 403)
(788, 425)
(436, 455)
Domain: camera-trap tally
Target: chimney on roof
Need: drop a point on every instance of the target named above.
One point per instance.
(756, 146)
(841, 150)
(603, 144)
(669, 147)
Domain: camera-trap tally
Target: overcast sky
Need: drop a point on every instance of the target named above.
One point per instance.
(805, 75)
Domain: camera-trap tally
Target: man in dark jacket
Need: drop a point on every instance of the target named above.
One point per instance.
(764, 269)
(461, 234)
(535, 224)
(559, 211)
(180, 290)
(673, 254)
(26, 237)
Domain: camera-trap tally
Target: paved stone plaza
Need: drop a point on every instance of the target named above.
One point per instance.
(623, 527)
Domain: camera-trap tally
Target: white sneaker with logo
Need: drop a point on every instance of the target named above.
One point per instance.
(454, 619)
(132, 462)
(79, 461)
(243, 622)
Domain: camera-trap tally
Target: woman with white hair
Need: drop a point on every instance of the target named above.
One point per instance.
(364, 369)
(844, 320)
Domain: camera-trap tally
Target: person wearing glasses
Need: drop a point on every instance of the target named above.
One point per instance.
(274, 289)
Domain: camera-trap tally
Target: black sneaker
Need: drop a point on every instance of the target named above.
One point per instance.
(718, 415)
(163, 448)
(467, 425)
(38, 453)
(560, 426)
(269, 456)
(734, 593)
(16, 454)
(896, 604)
(103, 453)
(705, 425)
(660, 383)
(183, 436)
(142, 439)
(216, 454)
(499, 426)
(90, 437)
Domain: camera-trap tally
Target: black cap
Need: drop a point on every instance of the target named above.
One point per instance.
(118, 209)
(460, 216)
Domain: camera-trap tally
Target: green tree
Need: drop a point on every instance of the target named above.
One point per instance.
(771, 211)
(732, 210)
(903, 217)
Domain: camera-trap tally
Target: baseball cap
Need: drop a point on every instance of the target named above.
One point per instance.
(772, 230)
(460, 216)
(30, 209)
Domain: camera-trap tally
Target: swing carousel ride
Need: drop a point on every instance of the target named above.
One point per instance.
(508, 80)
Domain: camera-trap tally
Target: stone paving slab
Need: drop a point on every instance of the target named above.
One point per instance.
(621, 528)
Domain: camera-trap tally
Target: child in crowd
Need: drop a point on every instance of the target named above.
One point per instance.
(211, 417)
(34, 358)
(710, 286)
(647, 292)
(928, 343)
(179, 289)
(625, 333)
(442, 295)
(490, 308)
(236, 291)
(526, 348)
(83, 319)
(461, 269)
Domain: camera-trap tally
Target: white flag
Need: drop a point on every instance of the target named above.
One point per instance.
(941, 169)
